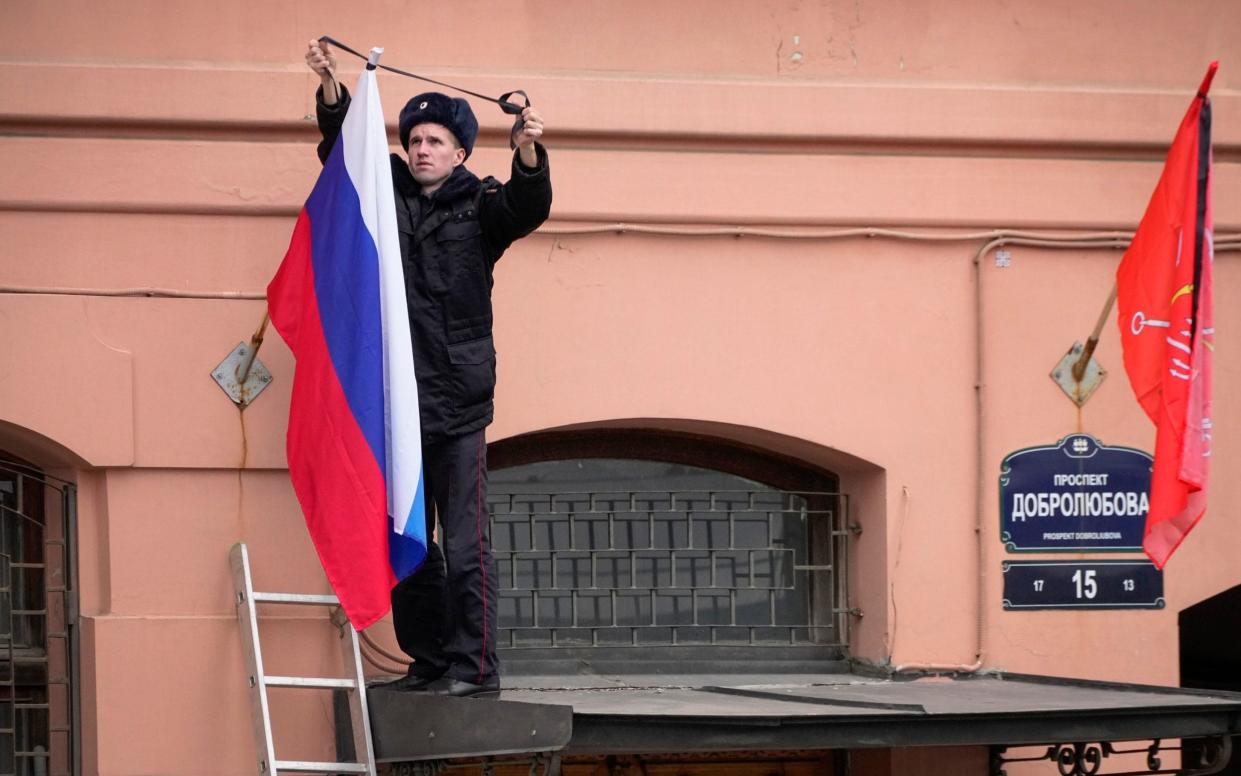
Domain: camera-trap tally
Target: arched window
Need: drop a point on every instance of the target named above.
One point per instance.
(611, 539)
(38, 668)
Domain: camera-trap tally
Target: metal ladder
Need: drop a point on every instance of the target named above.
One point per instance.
(259, 681)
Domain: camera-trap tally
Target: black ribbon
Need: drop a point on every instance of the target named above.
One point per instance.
(511, 108)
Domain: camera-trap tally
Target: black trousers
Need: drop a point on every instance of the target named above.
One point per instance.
(444, 613)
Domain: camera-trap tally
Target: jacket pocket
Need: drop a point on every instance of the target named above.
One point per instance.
(458, 249)
(473, 373)
(456, 231)
(475, 351)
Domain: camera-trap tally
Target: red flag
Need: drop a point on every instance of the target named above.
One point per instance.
(1164, 294)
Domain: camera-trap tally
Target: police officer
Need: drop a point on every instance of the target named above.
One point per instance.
(453, 228)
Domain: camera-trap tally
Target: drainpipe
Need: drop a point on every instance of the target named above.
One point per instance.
(980, 603)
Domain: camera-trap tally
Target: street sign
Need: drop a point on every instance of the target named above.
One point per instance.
(1077, 495)
(1064, 584)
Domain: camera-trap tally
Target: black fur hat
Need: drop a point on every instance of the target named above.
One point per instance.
(454, 114)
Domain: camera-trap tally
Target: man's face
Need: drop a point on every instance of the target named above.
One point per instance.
(433, 153)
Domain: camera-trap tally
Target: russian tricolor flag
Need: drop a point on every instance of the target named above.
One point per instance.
(338, 300)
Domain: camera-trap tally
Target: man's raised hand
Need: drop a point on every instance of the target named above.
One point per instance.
(319, 58)
(531, 130)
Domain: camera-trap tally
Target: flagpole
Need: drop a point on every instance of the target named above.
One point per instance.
(256, 342)
(1079, 369)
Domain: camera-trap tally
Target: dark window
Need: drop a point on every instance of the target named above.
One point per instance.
(36, 669)
(1209, 633)
(596, 552)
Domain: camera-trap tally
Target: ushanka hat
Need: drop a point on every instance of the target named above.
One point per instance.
(452, 113)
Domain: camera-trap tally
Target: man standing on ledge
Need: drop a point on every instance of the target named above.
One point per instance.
(453, 227)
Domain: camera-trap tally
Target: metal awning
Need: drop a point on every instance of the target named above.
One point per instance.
(635, 714)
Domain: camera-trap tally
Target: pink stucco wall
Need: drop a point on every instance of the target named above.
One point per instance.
(169, 145)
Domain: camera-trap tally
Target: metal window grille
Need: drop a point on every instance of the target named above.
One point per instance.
(38, 701)
(759, 567)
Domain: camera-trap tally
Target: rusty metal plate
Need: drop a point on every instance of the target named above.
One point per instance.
(1092, 377)
(225, 376)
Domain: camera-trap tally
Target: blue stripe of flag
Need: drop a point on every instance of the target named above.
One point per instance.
(346, 272)
(406, 551)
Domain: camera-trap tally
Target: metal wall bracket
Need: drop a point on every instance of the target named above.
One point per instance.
(1087, 759)
(1092, 376)
(226, 374)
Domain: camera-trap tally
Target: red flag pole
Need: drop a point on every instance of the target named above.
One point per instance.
(1079, 369)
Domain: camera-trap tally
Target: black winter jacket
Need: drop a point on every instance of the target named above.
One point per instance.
(450, 243)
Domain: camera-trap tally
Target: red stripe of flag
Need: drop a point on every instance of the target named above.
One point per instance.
(324, 441)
